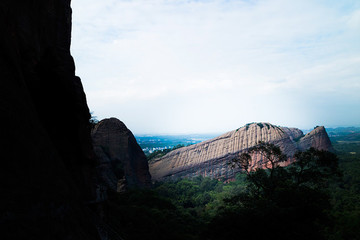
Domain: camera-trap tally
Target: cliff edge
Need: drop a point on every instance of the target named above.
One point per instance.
(47, 163)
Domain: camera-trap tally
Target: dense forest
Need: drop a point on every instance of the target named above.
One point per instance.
(317, 197)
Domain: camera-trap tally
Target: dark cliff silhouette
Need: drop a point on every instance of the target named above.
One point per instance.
(123, 164)
(47, 163)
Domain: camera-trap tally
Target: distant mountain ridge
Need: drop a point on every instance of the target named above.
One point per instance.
(344, 134)
(210, 158)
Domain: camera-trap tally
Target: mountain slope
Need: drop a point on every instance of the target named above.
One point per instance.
(210, 158)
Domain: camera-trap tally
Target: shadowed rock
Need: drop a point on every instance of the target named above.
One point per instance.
(122, 161)
(47, 161)
(210, 158)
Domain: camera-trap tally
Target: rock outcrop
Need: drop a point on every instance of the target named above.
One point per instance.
(211, 157)
(47, 163)
(318, 138)
(122, 161)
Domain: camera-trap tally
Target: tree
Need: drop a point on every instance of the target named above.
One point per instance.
(314, 168)
(281, 202)
(271, 157)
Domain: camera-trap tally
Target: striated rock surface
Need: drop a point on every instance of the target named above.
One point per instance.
(122, 161)
(47, 162)
(318, 138)
(210, 158)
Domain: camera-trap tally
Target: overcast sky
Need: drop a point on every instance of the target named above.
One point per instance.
(171, 66)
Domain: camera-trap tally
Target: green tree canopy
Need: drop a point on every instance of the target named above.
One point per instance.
(281, 202)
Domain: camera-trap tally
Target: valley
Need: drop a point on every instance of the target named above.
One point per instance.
(65, 175)
(197, 206)
(206, 208)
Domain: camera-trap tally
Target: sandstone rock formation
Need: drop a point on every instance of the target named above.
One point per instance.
(318, 138)
(210, 158)
(47, 161)
(122, 160)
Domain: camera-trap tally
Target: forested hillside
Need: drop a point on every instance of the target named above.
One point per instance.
(317, 197)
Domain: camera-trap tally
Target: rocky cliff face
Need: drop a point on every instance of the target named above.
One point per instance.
(318, 138)
(122, 161)
(47, 161)
(210, 158)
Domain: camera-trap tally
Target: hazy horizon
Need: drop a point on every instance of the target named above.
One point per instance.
(305, 130)
(212, 66)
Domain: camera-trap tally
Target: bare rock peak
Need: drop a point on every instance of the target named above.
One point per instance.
(317, 138)
(209, 158)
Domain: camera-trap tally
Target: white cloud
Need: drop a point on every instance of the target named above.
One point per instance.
(211, 59)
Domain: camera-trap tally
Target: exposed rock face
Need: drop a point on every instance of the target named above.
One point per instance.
(122, 161)
(318, 138)
(47, 161)
(210, 158)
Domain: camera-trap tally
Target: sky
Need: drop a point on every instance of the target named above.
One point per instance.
(211, 66)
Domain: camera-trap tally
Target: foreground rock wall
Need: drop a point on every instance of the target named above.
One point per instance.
(210, 158)
(47, 162)
(122, 161)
